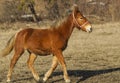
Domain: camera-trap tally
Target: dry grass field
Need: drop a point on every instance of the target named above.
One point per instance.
(90, 58)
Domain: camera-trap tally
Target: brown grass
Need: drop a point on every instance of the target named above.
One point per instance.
(90, 58)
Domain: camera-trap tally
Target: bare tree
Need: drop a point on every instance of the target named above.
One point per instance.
(29, 4)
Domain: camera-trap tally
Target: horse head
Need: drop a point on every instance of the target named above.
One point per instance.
(80, 21)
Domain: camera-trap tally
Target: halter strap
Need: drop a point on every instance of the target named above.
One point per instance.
(78, 23)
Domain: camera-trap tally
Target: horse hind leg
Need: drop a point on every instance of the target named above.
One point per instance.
(53, 67)
(13, 62)
(32, 58)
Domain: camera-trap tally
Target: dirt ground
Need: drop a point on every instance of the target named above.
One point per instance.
(90, 58)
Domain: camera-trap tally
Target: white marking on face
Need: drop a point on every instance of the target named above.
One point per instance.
(88, 28)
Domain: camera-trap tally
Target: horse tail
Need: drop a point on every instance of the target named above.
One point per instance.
(9, 46)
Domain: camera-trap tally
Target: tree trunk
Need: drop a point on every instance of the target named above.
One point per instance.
(35, 17)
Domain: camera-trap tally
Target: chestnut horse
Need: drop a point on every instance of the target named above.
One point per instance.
(44, 42)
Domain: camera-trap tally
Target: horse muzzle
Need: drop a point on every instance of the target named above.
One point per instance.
(88, 28)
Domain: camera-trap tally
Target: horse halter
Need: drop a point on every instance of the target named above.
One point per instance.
(78, 23)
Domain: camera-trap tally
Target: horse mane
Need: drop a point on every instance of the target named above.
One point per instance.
(62, 19)
(58, 22)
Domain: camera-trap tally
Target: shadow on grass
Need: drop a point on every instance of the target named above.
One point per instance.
(85, 74)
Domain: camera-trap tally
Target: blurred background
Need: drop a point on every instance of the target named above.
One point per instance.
(97, 11)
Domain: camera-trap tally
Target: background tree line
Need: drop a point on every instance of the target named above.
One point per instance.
(96, 11)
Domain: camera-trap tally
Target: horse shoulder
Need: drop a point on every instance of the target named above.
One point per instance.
(58, 41)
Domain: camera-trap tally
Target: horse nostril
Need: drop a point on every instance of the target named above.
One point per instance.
(90, 29)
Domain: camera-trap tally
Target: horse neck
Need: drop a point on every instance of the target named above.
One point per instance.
(66, 28)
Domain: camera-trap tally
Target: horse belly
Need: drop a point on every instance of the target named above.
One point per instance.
(39, 46)
(40, 52)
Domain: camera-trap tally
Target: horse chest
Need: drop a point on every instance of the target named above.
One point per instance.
(60, 44)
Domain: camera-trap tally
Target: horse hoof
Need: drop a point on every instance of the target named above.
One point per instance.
(45, 79)
(67, 81)
(8, 81)
(40, 81)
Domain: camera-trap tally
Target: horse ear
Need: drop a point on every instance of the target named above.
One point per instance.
(75, 9)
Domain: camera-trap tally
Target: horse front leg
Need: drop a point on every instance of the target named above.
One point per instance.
(53, 67)
(59, 55)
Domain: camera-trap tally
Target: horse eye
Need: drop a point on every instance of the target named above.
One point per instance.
(81, 18)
